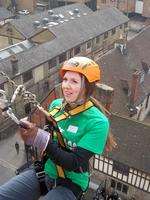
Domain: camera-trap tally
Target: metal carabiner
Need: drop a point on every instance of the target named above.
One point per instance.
(7, 110)
(5, 107)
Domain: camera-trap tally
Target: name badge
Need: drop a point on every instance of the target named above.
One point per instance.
(72, 129)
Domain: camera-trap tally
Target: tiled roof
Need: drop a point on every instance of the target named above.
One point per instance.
(99, 21)
(133, 143)
(5, 14)
(116, 66)
(25, 24)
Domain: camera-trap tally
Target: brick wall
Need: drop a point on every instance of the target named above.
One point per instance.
(146, 8)
(26, 4)
(125, 6)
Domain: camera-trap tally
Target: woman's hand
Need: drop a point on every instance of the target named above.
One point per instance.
(32, 135)
(29, 133)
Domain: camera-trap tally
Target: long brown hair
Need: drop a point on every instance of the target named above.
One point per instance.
(111, 141)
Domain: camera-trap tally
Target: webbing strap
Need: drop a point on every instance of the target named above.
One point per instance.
(60, 171)
(54, 111)
(72, 112)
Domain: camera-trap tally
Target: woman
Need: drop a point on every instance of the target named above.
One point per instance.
(84, 129)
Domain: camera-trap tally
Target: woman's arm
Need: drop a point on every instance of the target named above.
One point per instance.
(77, 160)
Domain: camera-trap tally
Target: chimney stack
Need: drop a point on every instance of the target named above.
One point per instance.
(104, 94)
(134, 87)
(14, 64)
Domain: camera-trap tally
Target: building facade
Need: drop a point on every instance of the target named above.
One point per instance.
(19, 4)
(128, 6)
(146, 8)
(26, 4)
(56, 3)
(125, 6)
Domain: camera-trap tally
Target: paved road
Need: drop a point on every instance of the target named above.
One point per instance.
(9, 160)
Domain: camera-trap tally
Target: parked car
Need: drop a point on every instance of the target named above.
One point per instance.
(24, 12)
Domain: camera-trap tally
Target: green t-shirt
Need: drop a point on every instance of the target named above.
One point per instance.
(89, 130)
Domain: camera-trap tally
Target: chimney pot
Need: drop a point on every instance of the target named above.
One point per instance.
(105, 94)
(14, 64)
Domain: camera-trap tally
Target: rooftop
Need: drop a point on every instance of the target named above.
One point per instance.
(133, 142)
(5, 14)
(117, 67)
(63, 14)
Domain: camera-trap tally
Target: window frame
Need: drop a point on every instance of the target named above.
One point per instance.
(77, 50)
(88, 45)
(106, 35)
(62, 57)
(113, 31)
(27, 76)
(52, 63)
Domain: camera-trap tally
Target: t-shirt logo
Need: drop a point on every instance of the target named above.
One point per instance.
(72, 129)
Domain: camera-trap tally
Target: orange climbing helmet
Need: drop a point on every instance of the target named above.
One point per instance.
(82, 65)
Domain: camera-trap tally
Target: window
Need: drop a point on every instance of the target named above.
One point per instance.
(97, 39)
(52, 63)
(125, 189)
(77, 50)
(120, 27)
(61, 3)
(38, 74)
(119, 186)
(62, 57)
(88, 45)
(113, 183)
(70, 53)
(27, 76)
(27, 108)
(113, 31)
(46, 86)
(105, 35)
